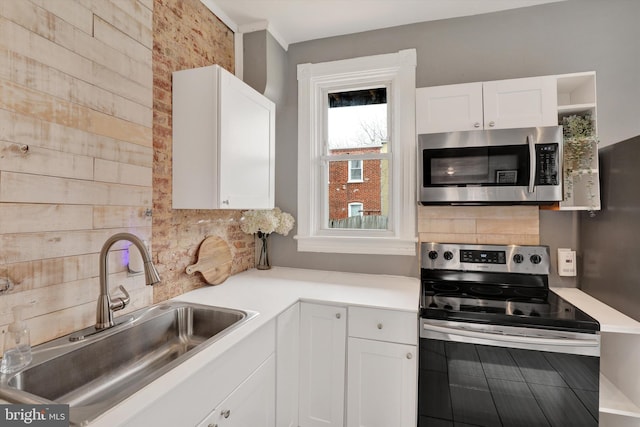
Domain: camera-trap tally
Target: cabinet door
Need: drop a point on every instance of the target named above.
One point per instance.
(529, 102)
(247, 149)
(382, 384)
(223, 142)
(287, 376)
(449, 108)
(251, 404)
(322, 365)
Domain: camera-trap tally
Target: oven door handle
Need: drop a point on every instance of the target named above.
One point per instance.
(509, 338)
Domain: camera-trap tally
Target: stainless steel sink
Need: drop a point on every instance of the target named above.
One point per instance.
(93, 370)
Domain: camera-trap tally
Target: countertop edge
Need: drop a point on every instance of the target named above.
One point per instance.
(610, 319)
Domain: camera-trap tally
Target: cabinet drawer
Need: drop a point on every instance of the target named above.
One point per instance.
(383, 325)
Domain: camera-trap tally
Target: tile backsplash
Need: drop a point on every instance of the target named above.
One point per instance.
(504, 225)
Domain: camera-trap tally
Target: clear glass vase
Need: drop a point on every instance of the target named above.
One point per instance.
(263, 258)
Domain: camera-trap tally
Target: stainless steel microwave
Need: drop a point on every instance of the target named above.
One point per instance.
(502, 166)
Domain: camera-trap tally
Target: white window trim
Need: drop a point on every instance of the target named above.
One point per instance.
(360, 204)
(398, 69)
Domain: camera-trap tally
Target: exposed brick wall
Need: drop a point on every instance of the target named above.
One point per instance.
(342, 192)
(186, 35)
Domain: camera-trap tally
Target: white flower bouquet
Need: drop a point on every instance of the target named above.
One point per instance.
(263, 223)
(266, 222)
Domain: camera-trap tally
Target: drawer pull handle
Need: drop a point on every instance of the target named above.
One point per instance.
(212, 425)
(409, 356)
(338, 315)
(380, 325)
(226, 413)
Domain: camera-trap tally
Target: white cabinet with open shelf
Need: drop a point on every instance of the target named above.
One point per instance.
(576, 94)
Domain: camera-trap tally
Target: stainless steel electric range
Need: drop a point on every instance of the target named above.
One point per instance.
(497, 346)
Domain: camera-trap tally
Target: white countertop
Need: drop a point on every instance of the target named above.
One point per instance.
(610, 319)
(270, 292)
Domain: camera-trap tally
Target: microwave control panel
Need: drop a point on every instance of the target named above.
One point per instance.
(548, 164)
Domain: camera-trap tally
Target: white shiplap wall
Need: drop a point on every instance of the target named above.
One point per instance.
(75, 153)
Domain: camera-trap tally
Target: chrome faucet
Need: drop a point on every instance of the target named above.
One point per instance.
(106, 306)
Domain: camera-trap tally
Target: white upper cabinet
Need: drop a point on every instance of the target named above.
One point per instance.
(449, 108)
(503, 104)
(223, 142)
(520, 103)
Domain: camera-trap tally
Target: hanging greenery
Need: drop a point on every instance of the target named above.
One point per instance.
(580, 149)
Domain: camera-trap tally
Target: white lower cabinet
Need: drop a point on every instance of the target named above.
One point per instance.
(227, 381)
(287, 359)
(382, 368)
(381, 384)
(377, 386)
(322, 365)
(251, 404)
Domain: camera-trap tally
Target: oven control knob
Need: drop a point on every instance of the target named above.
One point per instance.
(535, 259)
(518, 258)
(433, 254)
(448, 255)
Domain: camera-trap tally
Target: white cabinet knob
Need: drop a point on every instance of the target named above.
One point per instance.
(338, 315)
(409, 356)
(492, 124)
(226, 413)
(380, 325)
(476, 125)
(225, 202)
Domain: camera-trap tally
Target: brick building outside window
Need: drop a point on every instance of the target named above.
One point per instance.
(345, 189)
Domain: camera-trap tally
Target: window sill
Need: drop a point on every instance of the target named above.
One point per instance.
(357, 245)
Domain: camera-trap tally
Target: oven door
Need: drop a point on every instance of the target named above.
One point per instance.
(489, 375)
(509, 165)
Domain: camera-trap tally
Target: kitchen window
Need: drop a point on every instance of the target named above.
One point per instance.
(356, 147)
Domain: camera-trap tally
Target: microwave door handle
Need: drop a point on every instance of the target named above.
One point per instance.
(532, 163)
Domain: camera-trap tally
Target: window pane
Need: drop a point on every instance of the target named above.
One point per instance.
(357, 122)
(371, 195)
(355, 209)
(355, 170)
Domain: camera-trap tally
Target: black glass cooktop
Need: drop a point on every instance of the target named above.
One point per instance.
(511, 300)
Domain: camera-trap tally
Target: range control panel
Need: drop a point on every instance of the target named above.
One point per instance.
(490, 258)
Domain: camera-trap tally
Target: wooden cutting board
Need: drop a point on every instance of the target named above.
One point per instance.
(214, 260)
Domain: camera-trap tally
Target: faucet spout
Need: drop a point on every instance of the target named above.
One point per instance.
(107, 305)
